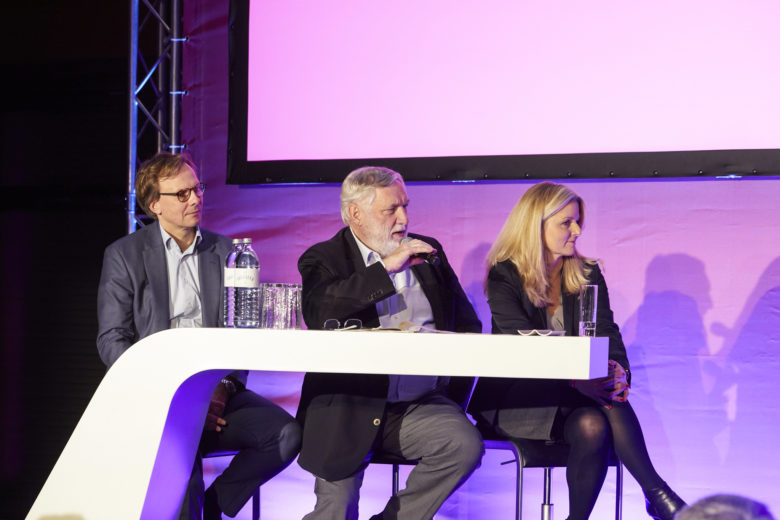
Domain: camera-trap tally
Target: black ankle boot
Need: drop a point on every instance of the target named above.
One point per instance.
(663, 503)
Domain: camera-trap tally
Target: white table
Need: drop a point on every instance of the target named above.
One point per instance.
(131, 453)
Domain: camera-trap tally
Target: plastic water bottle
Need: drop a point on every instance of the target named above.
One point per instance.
(229, 302)
(247, 288)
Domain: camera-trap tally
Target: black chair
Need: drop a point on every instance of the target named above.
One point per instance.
(394, 460)
(529, 453)
(526, 453)
(255, 495)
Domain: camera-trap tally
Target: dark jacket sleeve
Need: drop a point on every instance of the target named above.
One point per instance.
(330, 290)
(605, 320)
(116, 330)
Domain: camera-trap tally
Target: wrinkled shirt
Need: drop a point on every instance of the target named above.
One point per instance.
(183, 282)
(408, 304)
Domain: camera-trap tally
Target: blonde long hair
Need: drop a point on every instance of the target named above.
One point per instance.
(521, 241)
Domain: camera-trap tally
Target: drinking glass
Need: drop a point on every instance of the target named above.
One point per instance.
(281, 306)
(589, 295)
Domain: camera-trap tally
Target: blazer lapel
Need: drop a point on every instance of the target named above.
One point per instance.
(355, 263)
(353, 251)
(210, 273)
(157, 273)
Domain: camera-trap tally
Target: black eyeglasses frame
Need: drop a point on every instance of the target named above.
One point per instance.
(184, 194)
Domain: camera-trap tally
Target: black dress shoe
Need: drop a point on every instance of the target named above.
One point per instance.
(663, 503)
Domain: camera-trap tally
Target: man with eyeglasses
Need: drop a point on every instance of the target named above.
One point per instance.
(169, 274)
(373, 273)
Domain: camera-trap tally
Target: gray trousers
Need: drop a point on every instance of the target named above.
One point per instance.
(434, 431)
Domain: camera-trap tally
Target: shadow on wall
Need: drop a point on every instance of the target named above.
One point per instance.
(751, 352)
(472, 279)
(666, 340)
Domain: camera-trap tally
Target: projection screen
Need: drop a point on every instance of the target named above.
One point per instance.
(507, 89)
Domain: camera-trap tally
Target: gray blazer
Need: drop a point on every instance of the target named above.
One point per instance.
(133, 299)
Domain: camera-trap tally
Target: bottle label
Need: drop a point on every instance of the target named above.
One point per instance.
(245, 277)
(230, 278)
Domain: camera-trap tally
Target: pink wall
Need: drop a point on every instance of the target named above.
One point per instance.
(693, 268)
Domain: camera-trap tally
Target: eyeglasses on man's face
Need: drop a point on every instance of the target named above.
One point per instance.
(184, 195)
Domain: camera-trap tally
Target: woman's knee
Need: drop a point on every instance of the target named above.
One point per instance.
(588, 424)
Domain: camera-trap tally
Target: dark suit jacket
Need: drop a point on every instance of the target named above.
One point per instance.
(512, 311)
(342, 413)
(133, 300)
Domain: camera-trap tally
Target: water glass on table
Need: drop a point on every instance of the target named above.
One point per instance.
(589, 295)
(281, 306)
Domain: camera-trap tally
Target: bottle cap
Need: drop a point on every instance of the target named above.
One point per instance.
(236, 241)
(247, 240)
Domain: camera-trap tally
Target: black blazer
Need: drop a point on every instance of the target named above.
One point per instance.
(512, 311)
(342, 413)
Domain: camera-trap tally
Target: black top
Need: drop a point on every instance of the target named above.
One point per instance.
(511, 311)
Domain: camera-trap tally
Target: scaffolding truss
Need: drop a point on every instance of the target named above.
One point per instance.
(155, 91)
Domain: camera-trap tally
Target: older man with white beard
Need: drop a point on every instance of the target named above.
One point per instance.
(373, 271)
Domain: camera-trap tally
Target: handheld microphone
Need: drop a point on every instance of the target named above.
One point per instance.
(429, 258)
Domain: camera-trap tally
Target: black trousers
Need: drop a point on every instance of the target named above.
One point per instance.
(266, 438)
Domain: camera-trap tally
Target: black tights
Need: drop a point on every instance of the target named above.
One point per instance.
(588, 430)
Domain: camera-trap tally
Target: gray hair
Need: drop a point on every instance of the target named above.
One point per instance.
(725, 507)
(360, 186)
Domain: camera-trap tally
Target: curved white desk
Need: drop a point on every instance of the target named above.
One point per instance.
(131, 453)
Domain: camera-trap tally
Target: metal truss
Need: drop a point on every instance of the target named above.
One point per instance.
(154, 93)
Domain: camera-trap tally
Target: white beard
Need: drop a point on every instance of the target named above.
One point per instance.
(380, 240)
(382, 244)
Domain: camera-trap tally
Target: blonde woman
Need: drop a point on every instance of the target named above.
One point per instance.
(533, 282)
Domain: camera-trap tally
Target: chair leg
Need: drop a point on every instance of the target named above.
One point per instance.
(256, 504)
(547, 506)
(519, 491)
(619, 491)
(396, 472)
(519, 461)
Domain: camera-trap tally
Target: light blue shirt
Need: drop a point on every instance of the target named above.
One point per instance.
(183, 282)
(408, 304)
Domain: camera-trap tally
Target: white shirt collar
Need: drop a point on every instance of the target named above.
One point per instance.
(169, 241)
(369, 255)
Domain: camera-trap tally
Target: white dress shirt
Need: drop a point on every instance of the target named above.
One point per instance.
(183, 282)
(408, 304)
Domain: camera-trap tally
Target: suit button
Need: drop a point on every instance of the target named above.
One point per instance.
(377, 422)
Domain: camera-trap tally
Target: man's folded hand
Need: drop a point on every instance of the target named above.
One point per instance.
(214, 420)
